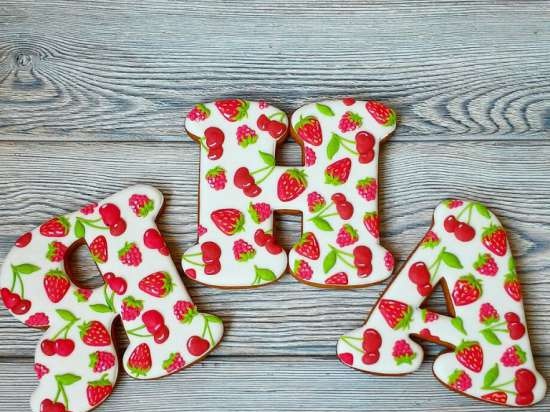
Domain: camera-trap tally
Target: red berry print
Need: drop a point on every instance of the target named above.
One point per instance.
(24, 240)
(216, 178)
(372, 223)
(243, 251)
(197, 346)
(40, 370)
(383, 115)
(488, 314)
(56, 284)
(389, 261)
(56, 251)
(309, 130)
(174, 363)
(302, 269)
(101, 361)
(185, 311)
(347, 235)
(346, 358)
(308, 246)
(259, 212)
(315, 202)
(398, 315)
(246, 136)
(229, 221)
(140, 362)
(494, 239)
(38, 320)
(486, 265)
(98, 249)
(291, 184)
(430, 240)
(56, 227)
(201, 230)
(309, 156)
(129, 254)
(496, 397)
(340, 278)
(131, 308)
(513, 356)
(94, 333)
(157, 284)
(338, 172)
(402, 352)
(466, 290)
(367, 188)
(233, 109)
(460, 380)
(141, 205)
(97, 391)
(470, 354)
(199, 113)
(453, 203)
(349, 122)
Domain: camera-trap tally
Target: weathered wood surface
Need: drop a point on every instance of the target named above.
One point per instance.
(470, 81)
(117, 70)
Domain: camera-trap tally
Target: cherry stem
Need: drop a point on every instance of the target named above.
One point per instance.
(434, 267)
(203, 145)
(91, 223)
(184, 257)
(280, 115)
(323, 210)
(346, 340)
(17, 277)
(353, 152)
(134, 331)
(205, 329)
(467, 208)
(263, 179)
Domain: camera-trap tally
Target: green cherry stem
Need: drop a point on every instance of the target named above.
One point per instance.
(134, 331)
(434, 267)
(91, 223)
(203, 145)
(339, 256)
(320, 213)
(109, 300)
(263, 179)
(348, 149)
(205, 329)
(279, 115)
(17, 278)
(65, 329)
(346, 340)
(186, 258)
(466, 209)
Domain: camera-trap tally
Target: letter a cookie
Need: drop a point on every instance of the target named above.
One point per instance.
(490, 359)
(335, 191)
(76, 360)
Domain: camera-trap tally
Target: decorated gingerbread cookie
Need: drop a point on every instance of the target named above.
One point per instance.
(490, 355)
(335, 191)
(76, 360)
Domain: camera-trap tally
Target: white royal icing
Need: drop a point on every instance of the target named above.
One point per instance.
(490, 356)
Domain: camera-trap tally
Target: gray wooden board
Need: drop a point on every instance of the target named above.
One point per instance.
(92, 99)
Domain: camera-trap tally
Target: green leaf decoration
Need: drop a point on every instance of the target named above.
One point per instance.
(451, 260)
(67, 379)
(330, 260)
(26, 268)
(101, 308)
(267, 158)
(458, 324)
(322, 224)
(265, 274)
(212, 319)
(324, 109)
(482, 210)
(491, 337)
(491, 376)
(79, 229)
(66, 315)
(333, 146)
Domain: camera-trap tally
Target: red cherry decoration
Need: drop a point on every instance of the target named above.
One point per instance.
(372, 340)
(464, 232)
(370, 358)
(153, 321)
(210, 252)
(262, 122)
(525, 380)
(22, 307)
(276, 129)
(197, 346)
(212, 268)
(153, 239)
(48, 347)
(260, 237)
(24, 240)
(64, 347)
(214, 137)
(118, 228)
(162, 334)
(110, 213)
(450, 223)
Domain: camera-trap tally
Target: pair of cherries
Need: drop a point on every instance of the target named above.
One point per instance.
(61, 347)
(14, 302)
(371, 345)
(214, 138)
(362, 259)
(273, 127)
(110, 214)
(462, 230)
(116, 283)
(211, 253)
(245, 181)
(420, 276)
(154, 323)
(516, 329)
(524, 383)
(343, 207)
(47, 405)
(364, 144)
(268, 241)
(154, 240)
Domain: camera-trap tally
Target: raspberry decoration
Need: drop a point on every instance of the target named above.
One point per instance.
(367, 188)
(349, 122)
(243, 251)
(402, 352)
(216, 178)
(246, 136)
(199, 113)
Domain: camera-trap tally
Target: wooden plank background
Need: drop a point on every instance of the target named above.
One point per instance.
(93, 97)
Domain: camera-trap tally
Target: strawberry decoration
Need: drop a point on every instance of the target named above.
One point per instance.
(229, 221)
(340, 278)
(97, 391)
(140, 362)
(56, 284)
(158, 284)
(466, 290)
(494, 239)
(291, 184)
(309, 130)
(470, 354)
(94, 333)
(98, 249)
(233, 109)
(398, 315)
(496, 397)
(383, 115)
(338, 172)
(56, 227)
(308, 246)
(372, 223)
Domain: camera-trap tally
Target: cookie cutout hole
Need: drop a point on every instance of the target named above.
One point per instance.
(439, 301)
(287, 228)
(82, 269)
(289, 154)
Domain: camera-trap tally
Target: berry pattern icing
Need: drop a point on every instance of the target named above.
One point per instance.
(76, 361)
(490, 358)
(336, 191)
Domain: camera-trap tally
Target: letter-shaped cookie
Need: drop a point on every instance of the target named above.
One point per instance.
(490, 355)
(76, 360)
(335, 191)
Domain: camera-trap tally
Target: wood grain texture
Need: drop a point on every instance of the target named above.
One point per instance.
(294, 384)
(118, 71)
